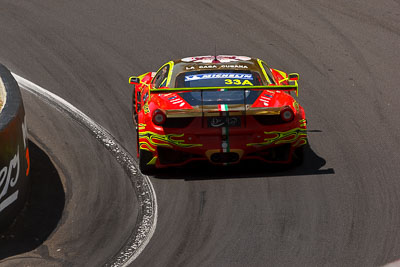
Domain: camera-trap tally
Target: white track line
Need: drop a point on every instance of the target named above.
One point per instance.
(148, 211)
(393, 264)
(3, 95)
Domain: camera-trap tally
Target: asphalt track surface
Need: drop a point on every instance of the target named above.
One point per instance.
(341, 208)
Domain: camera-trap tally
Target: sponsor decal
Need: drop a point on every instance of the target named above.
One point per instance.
(207, 76)
(223, 107)
(227, 121)
(208, 66)
(209, 59)
(265, 98)
(9, 174)
(8, 179)
(217, 67)
(234, 66)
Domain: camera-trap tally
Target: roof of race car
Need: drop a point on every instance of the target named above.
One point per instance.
(218, 62)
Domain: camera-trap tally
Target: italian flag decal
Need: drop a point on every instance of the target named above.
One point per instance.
(223, 107)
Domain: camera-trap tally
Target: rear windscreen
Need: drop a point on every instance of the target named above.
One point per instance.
(218, 78)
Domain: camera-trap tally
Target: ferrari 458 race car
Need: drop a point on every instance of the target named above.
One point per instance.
(221, 109)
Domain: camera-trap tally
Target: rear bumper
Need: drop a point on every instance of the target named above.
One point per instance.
(281, 154)
(222, 147)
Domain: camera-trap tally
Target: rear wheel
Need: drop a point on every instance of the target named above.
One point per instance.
(298, 155)
(144, 158)
(135, 121)
(134, 114)
(137, 141)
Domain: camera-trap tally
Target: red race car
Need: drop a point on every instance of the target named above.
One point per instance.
(221, 109)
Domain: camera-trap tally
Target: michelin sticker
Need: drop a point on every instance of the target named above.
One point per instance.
(196, 77)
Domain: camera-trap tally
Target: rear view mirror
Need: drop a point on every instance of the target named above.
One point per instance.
(293, 77)
(134, 80)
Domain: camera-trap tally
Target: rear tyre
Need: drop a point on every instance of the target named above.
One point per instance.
(137, 141)
(144, 158)
(134, 114)
(298, 155)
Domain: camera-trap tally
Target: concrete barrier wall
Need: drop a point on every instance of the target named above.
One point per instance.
(14, 152)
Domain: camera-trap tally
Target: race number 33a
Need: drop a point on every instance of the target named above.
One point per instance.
(237, 82)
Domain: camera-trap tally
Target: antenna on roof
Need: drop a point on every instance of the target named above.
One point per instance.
(215, 55)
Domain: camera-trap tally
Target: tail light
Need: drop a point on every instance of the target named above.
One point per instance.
(287, 114)
(159, 117)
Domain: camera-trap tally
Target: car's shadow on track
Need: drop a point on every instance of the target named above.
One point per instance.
(203, 171)
(42, 212)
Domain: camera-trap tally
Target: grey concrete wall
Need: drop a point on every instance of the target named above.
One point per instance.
(14, 152)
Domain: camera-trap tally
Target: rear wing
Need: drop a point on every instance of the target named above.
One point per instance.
(231, 109)
(293, 86)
